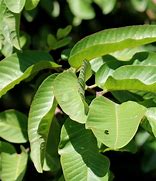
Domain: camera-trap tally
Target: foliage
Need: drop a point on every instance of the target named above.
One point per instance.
(66, 123)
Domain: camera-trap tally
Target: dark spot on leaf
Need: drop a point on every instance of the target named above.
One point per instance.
(106, 132)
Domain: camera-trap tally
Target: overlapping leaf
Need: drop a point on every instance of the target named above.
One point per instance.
(13, 165)
(80, 158)
(20, 66)
(109, 121)
(111, 40)
(82, 8)
(31, 4)
(39, 121)
(9, 30)
(66, 90)
(13, 126)
(15, 6)
(141, 75)
(151, 117)
(105, 5)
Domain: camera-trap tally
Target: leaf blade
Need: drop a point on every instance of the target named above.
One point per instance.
(13, 125)
(20, 66)
(109, 41)
(39, 121)
(80, 158)
(108, 121)
(66, 90)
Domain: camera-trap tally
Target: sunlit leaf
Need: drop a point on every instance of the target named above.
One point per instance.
(82, 8)
(66, 90)
(15, 6)
(9, 30)
(13, 165)
(13, 126)
(20, 66)
(105, 5)
(109, 41)
(39, 121)
(109, 121)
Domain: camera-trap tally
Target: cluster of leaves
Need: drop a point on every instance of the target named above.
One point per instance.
(70, 125)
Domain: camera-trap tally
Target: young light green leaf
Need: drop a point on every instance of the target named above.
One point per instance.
(140, 5)
(13, 126)
(13, 165)
(63, 32)
(39, 121)
(20, 66)
(109, 121)
(111, 40)
(31, 4)
(9, 30)
(80, 158)
(66, 90)
(151, 117)
(82, 8)
(105, 5)
(15, 6)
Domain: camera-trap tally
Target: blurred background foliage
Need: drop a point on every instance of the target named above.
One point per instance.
(55, 26)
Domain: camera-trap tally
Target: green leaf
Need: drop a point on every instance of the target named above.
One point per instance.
(84, 75)
(52, 158)
(39, 121)
(132, 77)
(66, 90)
(105, 5)
(123, 96)
(31, 4)
(140, 76)
(9, 30)
(140, 5)
(63, 32)
(61, 43)
(151, 117)
(20, 66)
(109, 41)
(15, 6)
(82, 8)
(80, 158)
(13, 165)
(13, 126)
(109, 121)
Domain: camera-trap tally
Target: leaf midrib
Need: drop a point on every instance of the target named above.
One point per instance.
(116, 125)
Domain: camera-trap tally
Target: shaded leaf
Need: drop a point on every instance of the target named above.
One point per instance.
(31, 4)
(39, 121)
(109, 121)
(63, 32)
(20, 66)
(66, 90)
(109, 41)
(13, 126)
(80, 158)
